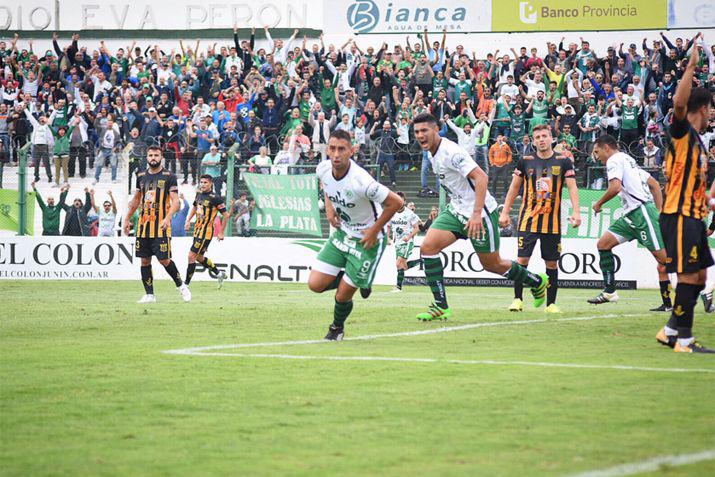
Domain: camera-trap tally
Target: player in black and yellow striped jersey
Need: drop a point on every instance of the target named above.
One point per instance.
(540, 180)
(207, 206)
(685, 207)
(157, 197)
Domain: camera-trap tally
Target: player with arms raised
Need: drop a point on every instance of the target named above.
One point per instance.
(541, 179)
(207, 206)
(403, 228)
(685, 208)
(641, 201)
(157, 195)
(358, 207)
(470, 214)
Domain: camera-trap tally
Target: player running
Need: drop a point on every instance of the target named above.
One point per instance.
(403, 228)
(350, 257)
(540, 180)
(641, 201)
(157, 195)
(471, 214)
(206, 206)
(685, 207)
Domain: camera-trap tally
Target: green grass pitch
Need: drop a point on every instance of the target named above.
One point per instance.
(87, 390)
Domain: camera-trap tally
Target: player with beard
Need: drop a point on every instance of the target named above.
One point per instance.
(157, 197)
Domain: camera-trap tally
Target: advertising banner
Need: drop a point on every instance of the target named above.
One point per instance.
(691, 14)
(285, 203)
(10, 211)
(149, 15)
(283, 260)
(577, 15)
(385, 16)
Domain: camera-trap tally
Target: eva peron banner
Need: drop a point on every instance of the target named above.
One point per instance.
(286, 203)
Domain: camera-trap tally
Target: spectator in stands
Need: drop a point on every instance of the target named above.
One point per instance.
(179, 219)
(211, 165)
(321, 132)
(499, 160)
(51, 211)
(107, 217)
(241, 210)
(385, 143)
(109, 147)
(61, 152)
(76, 223)
(261, 162)
(42, 141)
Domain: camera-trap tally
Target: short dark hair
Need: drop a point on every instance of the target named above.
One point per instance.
(401, 194)
(607, 140)
(207, 177)
(541, 127)
(153, 147)
(699, 97)
(342, 135)
(425, 118)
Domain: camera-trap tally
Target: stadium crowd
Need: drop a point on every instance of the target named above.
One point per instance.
(82, 108)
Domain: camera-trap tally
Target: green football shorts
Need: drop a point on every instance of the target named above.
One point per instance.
(342, 251)
(640, 224)
(404, 249)
(451, 221)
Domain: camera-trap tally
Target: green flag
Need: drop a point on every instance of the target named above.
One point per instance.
(286, 203)
(10, 211)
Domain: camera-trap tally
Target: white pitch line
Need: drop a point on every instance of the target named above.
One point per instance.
(199, 350)
(650, 465)
(461, 361)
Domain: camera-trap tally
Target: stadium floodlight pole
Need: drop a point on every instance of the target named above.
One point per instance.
(22, 198)
(230, 163)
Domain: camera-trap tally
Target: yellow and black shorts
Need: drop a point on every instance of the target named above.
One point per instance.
(686, 244)
(200, 245)
(159, 247)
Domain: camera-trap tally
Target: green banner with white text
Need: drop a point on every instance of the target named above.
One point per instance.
(285, 203)
(592, 225)
(10, 211)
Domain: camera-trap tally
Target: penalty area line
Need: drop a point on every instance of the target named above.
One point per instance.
(650, 465)
(486, 362)
(198, 351)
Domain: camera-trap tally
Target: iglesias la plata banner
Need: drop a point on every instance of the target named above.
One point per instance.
(285, 203)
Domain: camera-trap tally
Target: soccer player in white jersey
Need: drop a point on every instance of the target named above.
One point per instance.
(471, 214)
(358, 207)
(403, 228)
(642, 201)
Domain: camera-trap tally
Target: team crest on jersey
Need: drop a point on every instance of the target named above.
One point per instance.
(531, 171)
(349, 194)
(160, 184)
(556, 170)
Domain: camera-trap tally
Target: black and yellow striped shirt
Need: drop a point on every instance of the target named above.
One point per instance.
(156, 192)
(686, 167)
(208, 205)
(543, 182)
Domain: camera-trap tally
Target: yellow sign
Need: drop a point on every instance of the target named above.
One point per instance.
(578, 15)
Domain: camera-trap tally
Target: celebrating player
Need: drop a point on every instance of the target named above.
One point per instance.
(641, 200)
(685, 207)
(349, 258)
(403, 228)
(157, 194)
(206, 206)
(540, 179)
(470, 214)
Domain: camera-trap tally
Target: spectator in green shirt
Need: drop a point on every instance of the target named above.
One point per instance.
(51, 211)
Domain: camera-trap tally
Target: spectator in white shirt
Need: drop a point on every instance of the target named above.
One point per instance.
(42, 142)
(107, 216)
